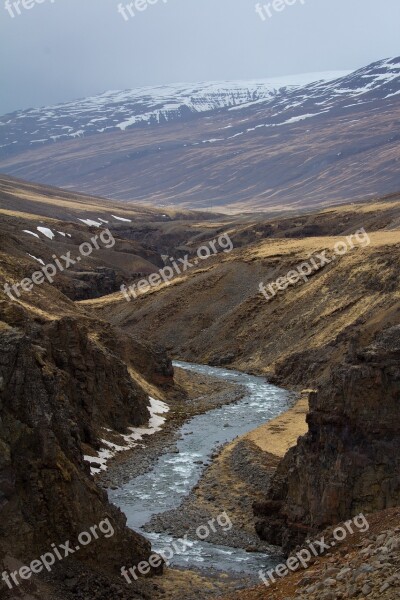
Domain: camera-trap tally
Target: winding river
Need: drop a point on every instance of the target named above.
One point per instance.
(174, 475)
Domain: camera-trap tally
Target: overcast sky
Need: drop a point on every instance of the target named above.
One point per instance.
(60, 50)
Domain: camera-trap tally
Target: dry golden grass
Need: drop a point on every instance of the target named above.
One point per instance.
(357, 294)
(280, 434)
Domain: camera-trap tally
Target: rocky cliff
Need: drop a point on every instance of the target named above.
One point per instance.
(348, 462)
(63, 380)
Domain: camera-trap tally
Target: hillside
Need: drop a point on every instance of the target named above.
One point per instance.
(294, 336)
(304, 147)
(121, 110)
(82, 370)
(39, 223)
(67, 382)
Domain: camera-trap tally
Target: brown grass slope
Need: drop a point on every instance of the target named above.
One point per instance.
(216, 313)
(140, 240)
(21, 196)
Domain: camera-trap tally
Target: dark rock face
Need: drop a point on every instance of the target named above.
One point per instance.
(91, 284)
(60, 382)
(349, 461)
(221, 361)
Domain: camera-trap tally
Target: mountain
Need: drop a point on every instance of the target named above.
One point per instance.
(378, 81)
(121, 110)
(293, 148)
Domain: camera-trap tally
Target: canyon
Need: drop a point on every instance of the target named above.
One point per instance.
(80, 365)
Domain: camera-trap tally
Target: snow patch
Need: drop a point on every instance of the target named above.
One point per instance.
(90, 222)
(212, 140)
(30, 233)
(38, 259)
(300, 118)
(99, 463)
(394, 94)
(122, 219)
(46, 231)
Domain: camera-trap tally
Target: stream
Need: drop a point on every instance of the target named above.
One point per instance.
(174, 475)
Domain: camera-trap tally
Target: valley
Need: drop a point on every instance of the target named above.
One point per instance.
(269, 426)
(199, 302)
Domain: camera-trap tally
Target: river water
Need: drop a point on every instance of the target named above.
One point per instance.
(174, 475)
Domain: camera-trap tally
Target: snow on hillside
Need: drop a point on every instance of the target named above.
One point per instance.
(121, 110)
(378, 81)
(283, 101)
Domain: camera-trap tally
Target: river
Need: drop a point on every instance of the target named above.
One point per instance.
(174, 475)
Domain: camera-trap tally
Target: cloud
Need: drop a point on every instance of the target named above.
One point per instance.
(71, 49)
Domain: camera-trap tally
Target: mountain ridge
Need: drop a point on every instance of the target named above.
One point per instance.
(302, 148)
(142, 106)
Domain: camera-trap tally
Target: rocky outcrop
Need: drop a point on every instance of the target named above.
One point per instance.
(61, 382)
(349, 461)
(82, 285)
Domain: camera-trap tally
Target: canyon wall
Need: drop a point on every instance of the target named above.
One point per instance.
(61, 382)
(349, 460)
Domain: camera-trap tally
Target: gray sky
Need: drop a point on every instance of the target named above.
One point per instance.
(60, 50)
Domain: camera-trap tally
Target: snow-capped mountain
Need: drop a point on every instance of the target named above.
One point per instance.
(378, 81)
(244, 144)
(122, 110)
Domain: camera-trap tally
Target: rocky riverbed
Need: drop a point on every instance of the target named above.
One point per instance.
(222, 485)
(200, 394)
(238, 476)
(161, 486)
